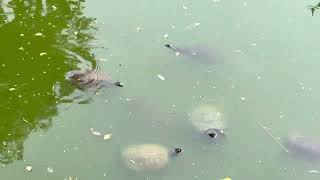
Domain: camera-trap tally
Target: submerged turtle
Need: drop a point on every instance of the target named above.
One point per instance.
(302, 146)
(202, 53)
(207, 119)
(148, 157)
(91, 79)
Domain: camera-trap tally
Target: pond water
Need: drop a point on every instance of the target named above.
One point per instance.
(262, 75)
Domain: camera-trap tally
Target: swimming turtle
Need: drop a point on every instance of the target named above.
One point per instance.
(306, 147)
(208, 120)
(199, 52)
(148, 157)
(91, 79)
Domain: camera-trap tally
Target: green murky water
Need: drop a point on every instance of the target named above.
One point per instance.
(265, 73)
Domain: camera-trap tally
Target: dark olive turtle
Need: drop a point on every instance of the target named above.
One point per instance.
(202, 53)
(91, 79)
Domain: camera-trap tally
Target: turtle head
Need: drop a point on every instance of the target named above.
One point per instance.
(118, 84)
(168, 45)
(176, 151)
(214, 133)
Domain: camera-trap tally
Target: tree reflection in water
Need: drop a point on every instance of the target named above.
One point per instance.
(40, 41)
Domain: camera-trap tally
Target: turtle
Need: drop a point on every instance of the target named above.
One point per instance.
(208, 120)
(302, 146)
(202, 53)
(91, 79)
(148, 157)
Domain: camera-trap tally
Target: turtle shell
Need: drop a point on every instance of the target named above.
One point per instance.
(207, 117)
(146, 157)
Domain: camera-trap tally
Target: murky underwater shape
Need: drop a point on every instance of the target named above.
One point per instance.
(264, 79)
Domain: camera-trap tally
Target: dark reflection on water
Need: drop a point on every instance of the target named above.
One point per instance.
(40, 42)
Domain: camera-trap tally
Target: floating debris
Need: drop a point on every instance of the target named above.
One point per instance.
(103, 59)
(96, 133)
(54, 8)
(29, 168)
(196, 24)
(165, 35)
(243, 98)
(138, 29)
(184, 7)
(313, 171)
(107, 136)
(39, 34)
(12, 89)
(43, 53)
(161, 77)
(50, 170)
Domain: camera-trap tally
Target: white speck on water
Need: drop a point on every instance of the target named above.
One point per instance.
(96, 133)
(107, 136)
(196, 24)
(253, 44)
(243, 98)
(216, 1)
(281, 116)
(12, 89)
(21, 35)
(138, 29)
(3, 65)
(132, 161)
(54, 8)
(50, 170)
(238, 51)
(128, 99)
(76, 33)
(184, 7)
(313, 171)
(259, 161)
(173, 26)
(39, 34)
(161, 77)
(177, 53)
(29, 168)
(165, 35)
(103, 59)
(21, 48)
(43, 53)
(258, 77)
